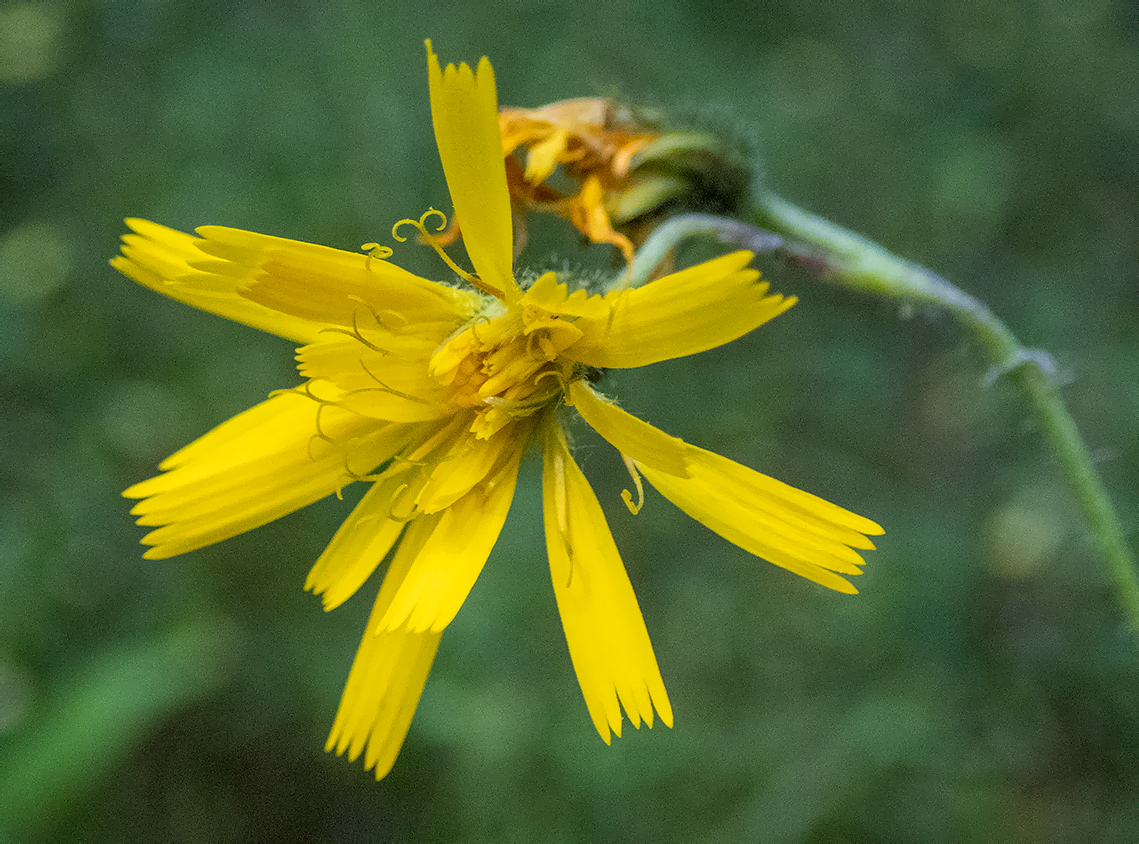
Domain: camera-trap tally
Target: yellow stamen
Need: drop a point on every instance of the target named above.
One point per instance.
(431, 241)
(421, 224)
(404, 494)
(376, 314)
(384, 388)
(627, 496)
(374, 250)
(355, 333)
(319, 436)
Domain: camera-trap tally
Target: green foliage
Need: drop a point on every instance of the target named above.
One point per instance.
(982, 686)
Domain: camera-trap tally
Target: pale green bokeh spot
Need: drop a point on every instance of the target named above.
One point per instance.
(29, 41)
(1024, 536)
(35, 261)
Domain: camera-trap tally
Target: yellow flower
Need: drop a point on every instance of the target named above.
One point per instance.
(431, 393)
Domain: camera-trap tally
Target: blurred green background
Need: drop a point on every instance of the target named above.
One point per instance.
(982, 687)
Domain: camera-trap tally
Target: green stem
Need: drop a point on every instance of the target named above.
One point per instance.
(670, 233)
(857, 263)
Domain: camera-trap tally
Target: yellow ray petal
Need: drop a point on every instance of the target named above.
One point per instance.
(277, 426)
(325, 285)
(158, 257)
(389, 382)
(451, 560)
(282, 428)
(786, 526)
(553, 296)
(681, 314)
(388, 674)
(261, 469)
(609, 646)
(628, 434)
(376, 522)
(283, 411)
(466, 464)
(356, 550)
(464, 111)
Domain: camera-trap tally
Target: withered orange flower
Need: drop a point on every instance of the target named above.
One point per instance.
(593, 140)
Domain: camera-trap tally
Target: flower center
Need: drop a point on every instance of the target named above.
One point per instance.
(507, 364)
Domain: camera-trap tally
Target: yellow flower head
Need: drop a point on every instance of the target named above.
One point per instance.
(430, 393)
